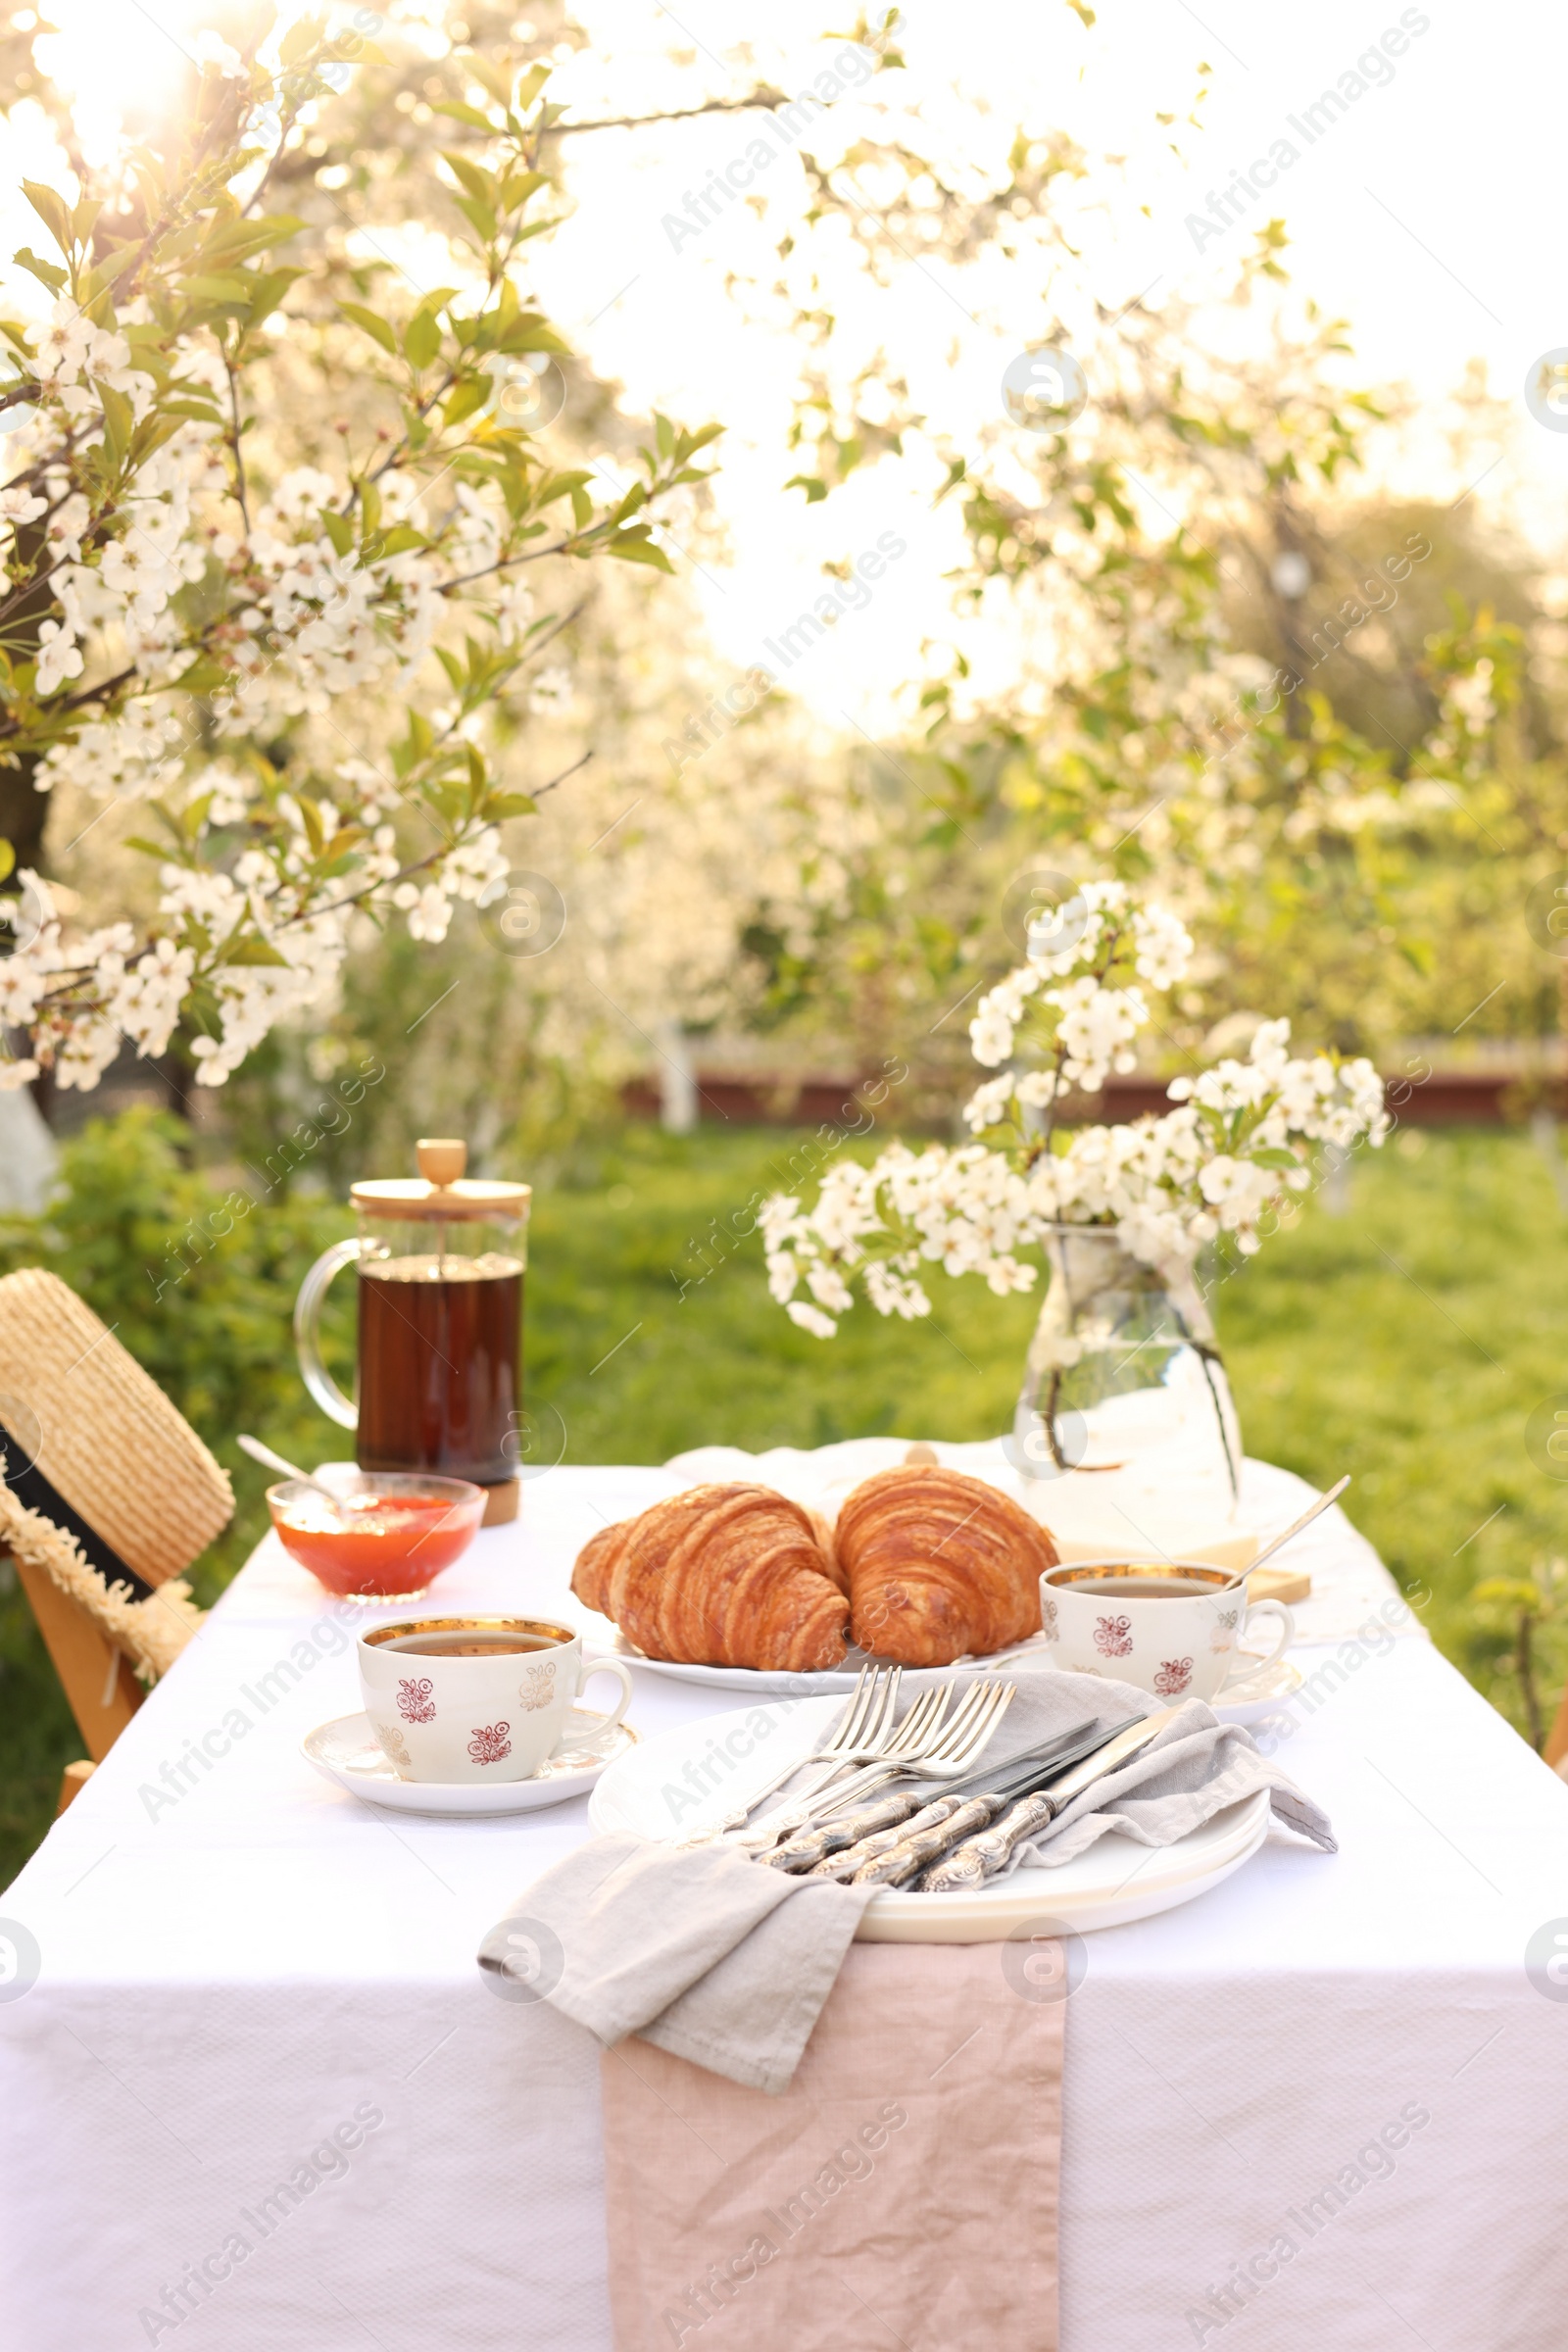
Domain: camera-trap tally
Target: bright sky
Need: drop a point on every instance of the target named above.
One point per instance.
(1420, 214)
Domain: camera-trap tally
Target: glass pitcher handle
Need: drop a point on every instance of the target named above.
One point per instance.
(308, 1334)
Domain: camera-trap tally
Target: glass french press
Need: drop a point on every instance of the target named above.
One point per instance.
(441, 1259)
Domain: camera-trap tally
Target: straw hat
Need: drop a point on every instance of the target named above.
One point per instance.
(107, 1488)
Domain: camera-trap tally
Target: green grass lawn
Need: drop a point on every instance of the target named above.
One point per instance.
(1408, 1342)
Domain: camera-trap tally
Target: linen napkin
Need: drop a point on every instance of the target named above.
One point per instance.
(903, 2189)
(718, 1959)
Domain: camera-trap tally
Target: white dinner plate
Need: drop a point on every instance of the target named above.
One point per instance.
(348, 1752)
(1258, 1697)
(1117, 1880)
(802, 1682)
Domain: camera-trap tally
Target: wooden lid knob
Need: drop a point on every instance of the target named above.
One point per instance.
(442, 1158)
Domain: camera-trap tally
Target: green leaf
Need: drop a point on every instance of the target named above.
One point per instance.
(366, 320)
(399, 540)
(99, 281)
(519, 186)
(120, 420)
(478, 183)
(204, 676)
(422, 339)
(148, 848)
(251, 949)
(7, 859)
(814, 487)
(488, 79)
(471, 394)
(340, 531)
(301, 38)
(530, 87)
(237, 240)
(560, 485)
(479, 216)
(530, 332)
(52, 209)
(315, 830)
(464, 113)
(1274, 1157)
(219, 285)
(631, 549)
(52, 277)
(502, 804)
(268, 289)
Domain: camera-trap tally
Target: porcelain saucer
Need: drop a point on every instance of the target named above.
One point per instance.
(346, 1750)
(1259, 1695)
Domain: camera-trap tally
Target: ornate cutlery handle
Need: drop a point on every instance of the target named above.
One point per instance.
(901, 1861)
(843, 1864)
(977, 1859)
(812, 1845)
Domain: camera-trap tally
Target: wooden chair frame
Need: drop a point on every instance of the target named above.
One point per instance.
(98, 1680)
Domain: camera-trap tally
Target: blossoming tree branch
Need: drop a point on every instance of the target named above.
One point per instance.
(190, 620)
(1236, 1141)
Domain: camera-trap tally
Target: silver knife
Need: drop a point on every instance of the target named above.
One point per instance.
(970, 1861)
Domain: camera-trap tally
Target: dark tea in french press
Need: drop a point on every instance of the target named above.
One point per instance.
(441, 1262)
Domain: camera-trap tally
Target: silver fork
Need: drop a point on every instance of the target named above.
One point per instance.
(933, 1750)
(951, 1757)
(865, 1729)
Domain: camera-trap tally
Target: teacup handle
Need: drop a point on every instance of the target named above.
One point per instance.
(1246, 1667)
(598, 1731)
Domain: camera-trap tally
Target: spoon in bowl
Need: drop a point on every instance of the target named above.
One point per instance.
(276, 1461)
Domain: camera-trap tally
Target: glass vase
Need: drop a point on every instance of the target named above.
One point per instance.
(1123, 1372)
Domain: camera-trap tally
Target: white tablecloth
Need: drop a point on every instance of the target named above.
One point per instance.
(243, 1970)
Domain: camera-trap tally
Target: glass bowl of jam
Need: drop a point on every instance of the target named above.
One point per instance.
(377, 1536)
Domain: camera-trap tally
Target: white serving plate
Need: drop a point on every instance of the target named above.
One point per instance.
(804, 1682)
(347, 1751)
(1251, 1701)
(1117, 1880)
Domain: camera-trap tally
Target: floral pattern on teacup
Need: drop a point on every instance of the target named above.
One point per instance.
(1113, 1636)
(1050, 1620)
(1222, 1631)
(414, 1702)
(1173, 1677)
(393, 1744)
(538, 1685)
(489, 1743)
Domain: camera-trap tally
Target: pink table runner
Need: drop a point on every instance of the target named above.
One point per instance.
(902, 2191)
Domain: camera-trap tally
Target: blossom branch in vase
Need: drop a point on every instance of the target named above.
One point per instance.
(1236, 1141)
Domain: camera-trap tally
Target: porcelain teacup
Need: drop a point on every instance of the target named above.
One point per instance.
(478, 1699)
(1172, 1627)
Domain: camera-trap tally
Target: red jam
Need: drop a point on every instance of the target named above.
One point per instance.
(378, 1545)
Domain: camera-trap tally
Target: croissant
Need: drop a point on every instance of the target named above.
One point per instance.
(720, 1576)
(939, 1566)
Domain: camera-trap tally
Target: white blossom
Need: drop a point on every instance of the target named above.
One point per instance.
(1169, 1185)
